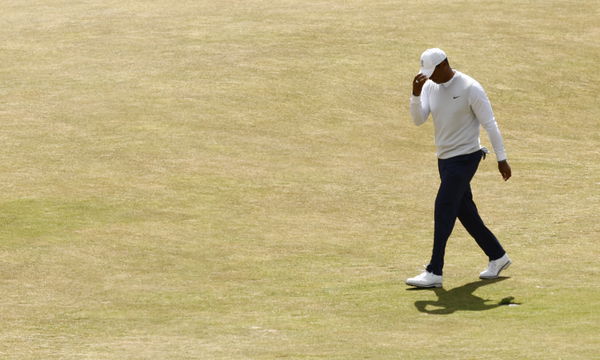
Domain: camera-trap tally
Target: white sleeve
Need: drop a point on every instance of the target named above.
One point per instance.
(419, 108)
(481, 107)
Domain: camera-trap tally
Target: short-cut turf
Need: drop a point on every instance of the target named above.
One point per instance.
(242, 180)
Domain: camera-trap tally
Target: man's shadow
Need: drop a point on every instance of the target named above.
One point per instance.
(461, 299)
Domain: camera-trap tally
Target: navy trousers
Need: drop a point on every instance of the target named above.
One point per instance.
(455, 200)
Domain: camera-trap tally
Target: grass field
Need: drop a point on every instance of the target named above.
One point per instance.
(242, 180)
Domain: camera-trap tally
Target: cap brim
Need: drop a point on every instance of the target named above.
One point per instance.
(427, 72)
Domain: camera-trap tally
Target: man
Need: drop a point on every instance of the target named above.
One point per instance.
(459, 106)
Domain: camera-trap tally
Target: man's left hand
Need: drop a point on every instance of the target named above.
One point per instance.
(504, 169)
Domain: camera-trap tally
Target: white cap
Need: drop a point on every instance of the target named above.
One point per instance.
(430, 59)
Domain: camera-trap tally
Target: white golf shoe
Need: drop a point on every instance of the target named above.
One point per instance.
(425, 280)
(494, 267)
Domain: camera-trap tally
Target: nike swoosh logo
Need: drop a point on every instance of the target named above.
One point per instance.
(455, 97)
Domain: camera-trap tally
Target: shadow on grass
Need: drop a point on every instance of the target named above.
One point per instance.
(460, 299)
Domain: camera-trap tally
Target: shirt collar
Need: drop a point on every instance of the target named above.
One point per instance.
(447, 83)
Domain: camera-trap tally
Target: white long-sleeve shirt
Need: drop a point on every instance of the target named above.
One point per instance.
(458, 107)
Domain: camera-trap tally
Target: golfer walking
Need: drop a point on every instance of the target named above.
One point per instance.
(459, 107)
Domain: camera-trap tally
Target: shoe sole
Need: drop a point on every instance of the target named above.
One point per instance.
(437, 285)
(504, 267)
